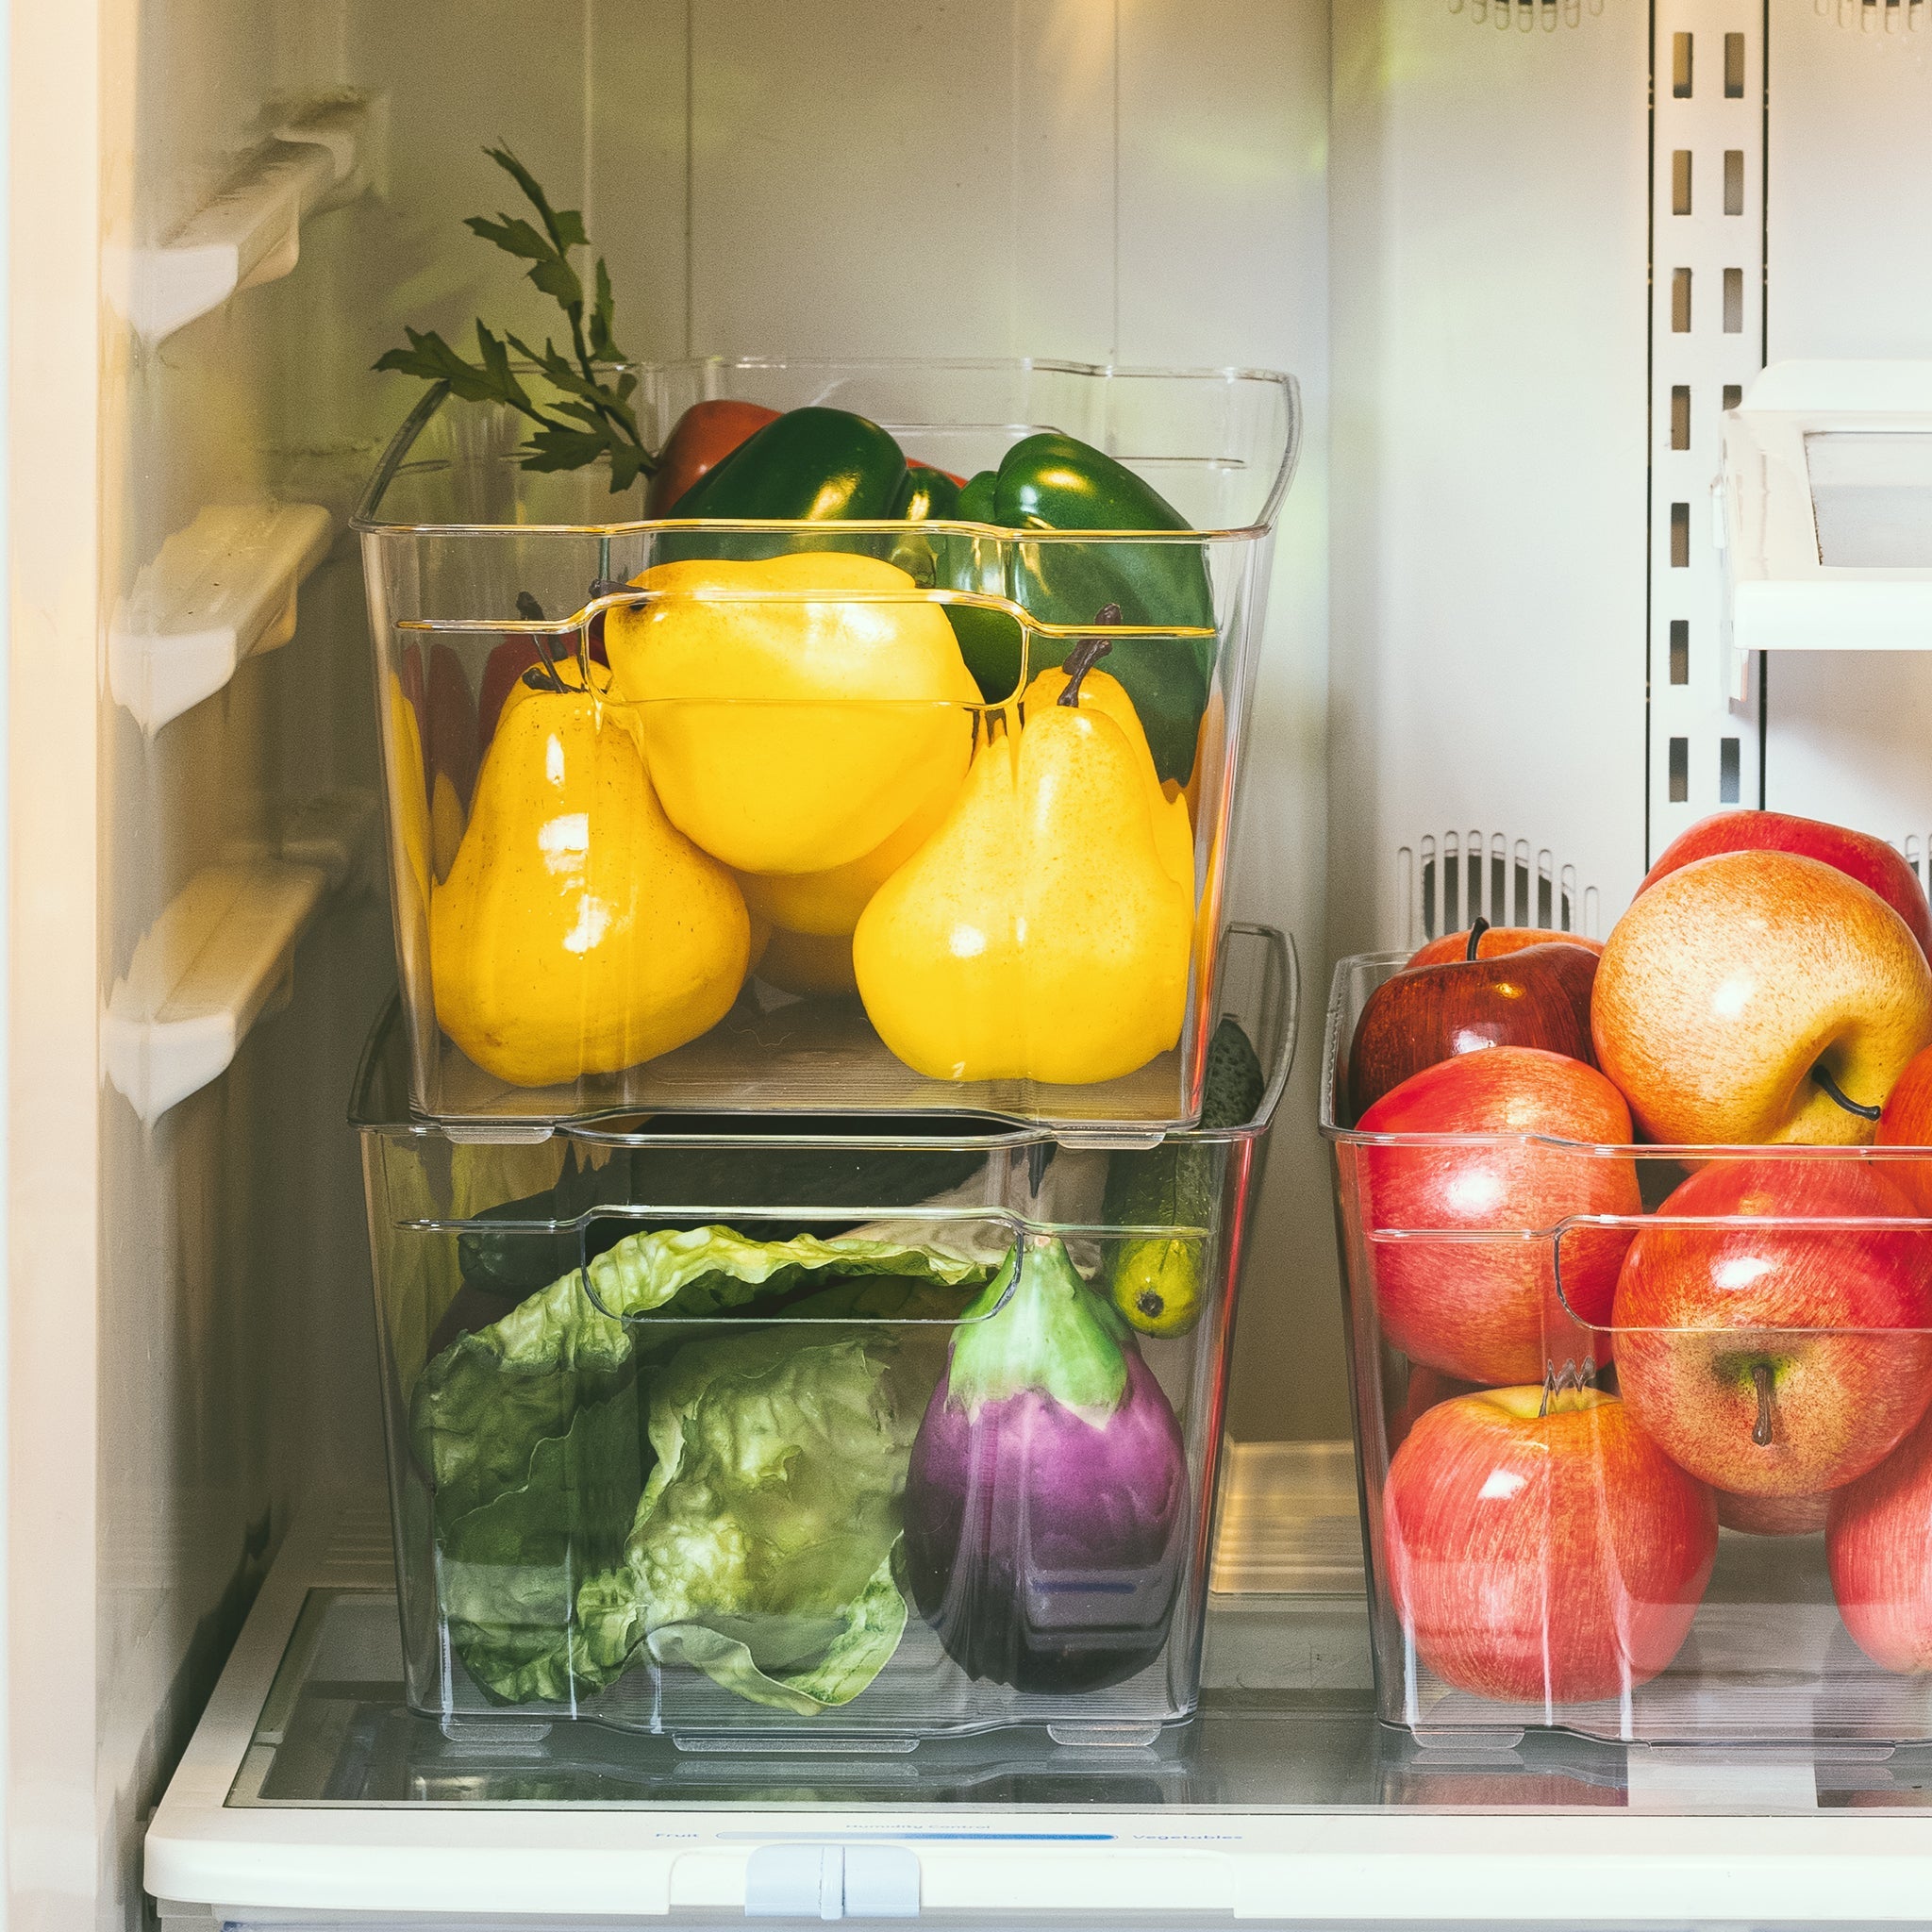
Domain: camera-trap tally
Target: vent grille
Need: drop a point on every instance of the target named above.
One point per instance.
(1877, 16)
(1527, 15)
(1444, 885)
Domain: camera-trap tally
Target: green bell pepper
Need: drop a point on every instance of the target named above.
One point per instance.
(1056, 482)
(809, 465)
(926, 494)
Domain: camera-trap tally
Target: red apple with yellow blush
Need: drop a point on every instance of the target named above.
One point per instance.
(1540, 1547)
(1857, 855)
(1759, 997)
(1878, 1546)
(1768, 1358)
(1489, 1312)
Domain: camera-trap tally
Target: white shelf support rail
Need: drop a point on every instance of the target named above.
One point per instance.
(1707, 334)
(318, 156)
(220, 591)
(222, 955)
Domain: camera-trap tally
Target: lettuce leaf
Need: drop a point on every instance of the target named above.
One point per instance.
(533, 1434)
(762, 1553)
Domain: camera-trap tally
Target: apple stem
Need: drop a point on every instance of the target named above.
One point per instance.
(1822, 1074)
(1475, 935)
(1760, 1429)
(1572, 1378)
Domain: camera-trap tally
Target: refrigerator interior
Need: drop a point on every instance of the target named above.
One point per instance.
(1494, 619)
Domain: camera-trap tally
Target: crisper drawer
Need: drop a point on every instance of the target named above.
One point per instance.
(716, 812)
(698, 1428)
(1641, 1428)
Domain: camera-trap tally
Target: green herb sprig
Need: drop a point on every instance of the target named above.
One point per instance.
(594, 417)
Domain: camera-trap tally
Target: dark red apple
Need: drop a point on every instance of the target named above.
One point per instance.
(1773, 1515)
(1870, 860)
(1492, 941)
(1539, 997)
(1488, 1310)
(1544, 1556)
(1906, 1121)
(1770, 1358)
(1879, 1544)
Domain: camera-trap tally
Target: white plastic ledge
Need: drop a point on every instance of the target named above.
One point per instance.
(220, 591)
(1786, 505)
(318, 158)
(221, 954)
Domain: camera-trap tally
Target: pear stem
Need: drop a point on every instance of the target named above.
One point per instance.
(1823, 1075)
(1475, 935)
(1760, 1429)
(1078, 662)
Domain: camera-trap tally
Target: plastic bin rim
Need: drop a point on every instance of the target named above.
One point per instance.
(1682, 1151)
(365, 519)
(637, 597)
(1001, 1131)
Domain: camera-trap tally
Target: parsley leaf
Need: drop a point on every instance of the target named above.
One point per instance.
(592, 419)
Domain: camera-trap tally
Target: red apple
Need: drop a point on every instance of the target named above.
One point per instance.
(1907, 1122)
(1536, 997)
(1494, 940)
(1544, 1557)
(1489, 1312)
(1858, 854)
(1879, 1544)
(1422, 1389)
(1773, 1515)
(1760, 996)
(1773, 1359)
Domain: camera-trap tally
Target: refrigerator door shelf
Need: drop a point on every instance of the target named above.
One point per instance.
(319, 156)
(310, 1790)
(222, 953)
(216, 592)
(1826, 500)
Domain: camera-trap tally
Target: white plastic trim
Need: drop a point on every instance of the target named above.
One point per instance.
(317, 158)
(216, 592)
(1783, 595)
(222, 952)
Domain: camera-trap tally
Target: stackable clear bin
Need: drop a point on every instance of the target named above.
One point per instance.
(478, 568)
(655, 1390)
(1541, 1556)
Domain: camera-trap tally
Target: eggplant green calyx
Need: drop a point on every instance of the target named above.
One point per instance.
(1053, 1334)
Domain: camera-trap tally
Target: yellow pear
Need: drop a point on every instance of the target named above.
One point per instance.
(579, 931)
(793, 708)
(828, 903)
(1173, 831)
(808, 963)
(1040, 932)
(407, 798)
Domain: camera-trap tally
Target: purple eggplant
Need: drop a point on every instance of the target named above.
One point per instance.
(1047, 1504)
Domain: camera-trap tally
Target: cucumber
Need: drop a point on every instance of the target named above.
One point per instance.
(1155, 1280)
(518, 1260)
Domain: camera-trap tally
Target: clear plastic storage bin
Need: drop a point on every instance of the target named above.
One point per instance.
(667, 1444)
(719, 809)
(1652, 1461)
